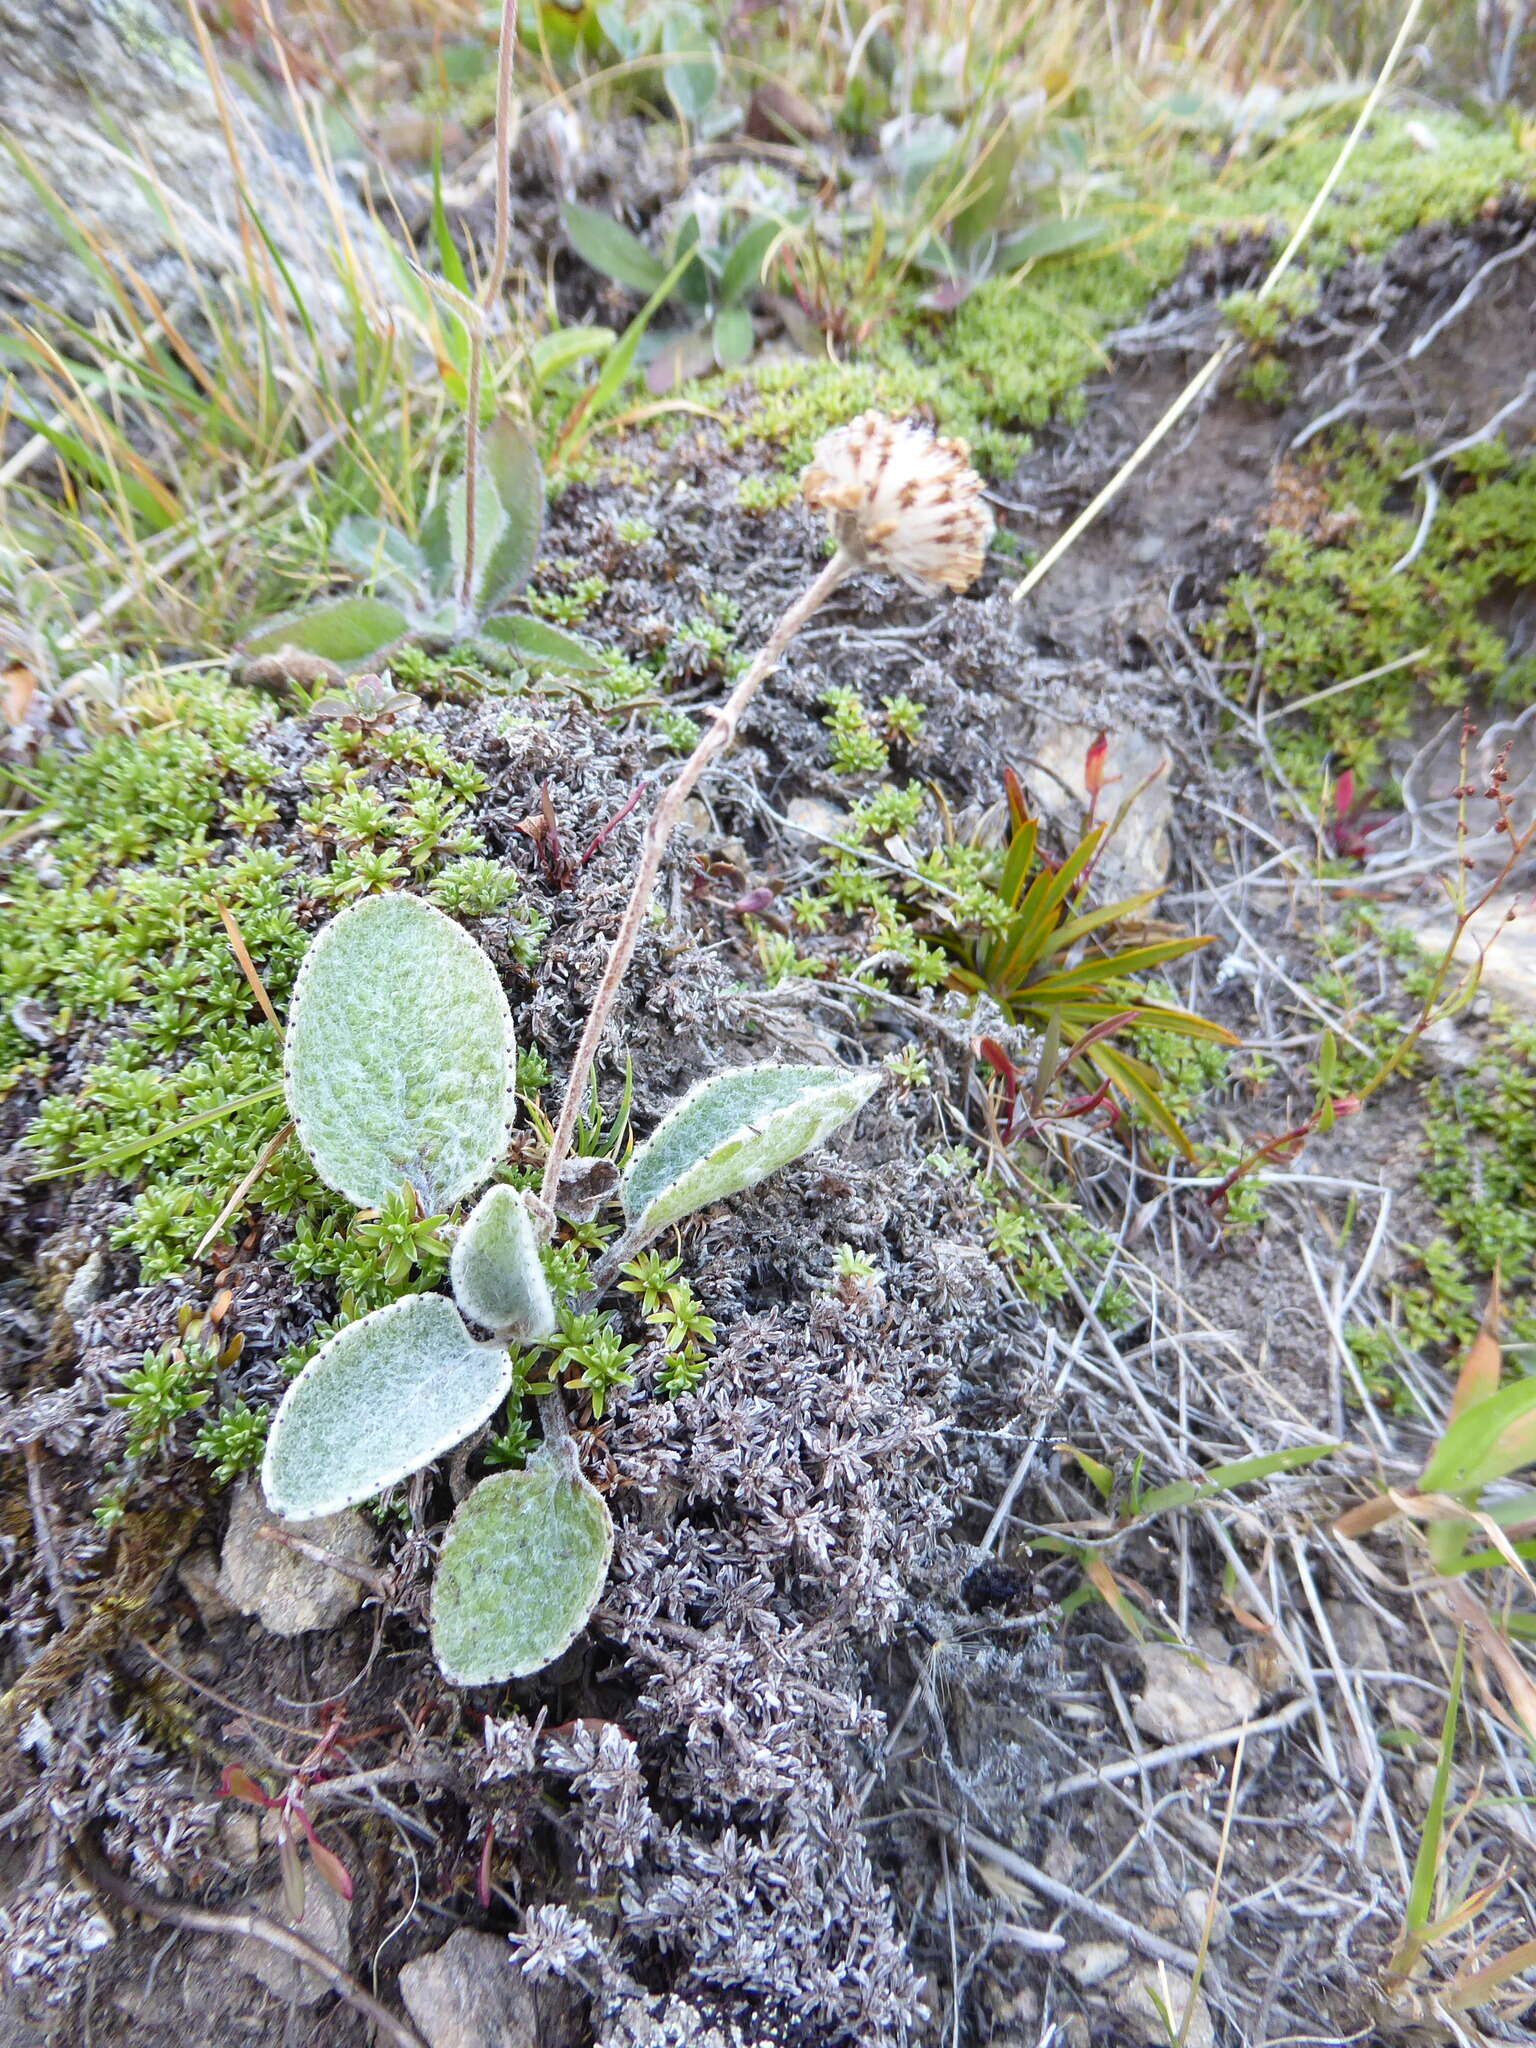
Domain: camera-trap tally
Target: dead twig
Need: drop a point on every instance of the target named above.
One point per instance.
(253, 1927)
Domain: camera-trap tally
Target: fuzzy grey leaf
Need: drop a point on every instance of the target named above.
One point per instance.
(521, 1569)
(382, 1398)
(542, 644)
(399, 1058)
(381, 555)
(517, 476)
(498, 1280)
(733, 1131)
(346, 631)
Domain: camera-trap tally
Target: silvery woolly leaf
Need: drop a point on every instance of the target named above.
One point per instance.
(345, 630)
(381, 554)
(379, 1400)
(542, 645)
(521, 1568)
(399, 1057)
(511, 457)
(733, 1131)
(498, 1280)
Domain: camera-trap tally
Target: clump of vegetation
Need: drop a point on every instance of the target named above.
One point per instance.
(1364, 578)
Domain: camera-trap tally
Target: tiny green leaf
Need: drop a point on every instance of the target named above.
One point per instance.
(537, 641)
(347, 630)
(694, 74)
(379, 1400)
(521, 1569)
(555, 353)
(742, 271)
(733, 1131)
(1049, 238)
(498, 1279)
(399, 1056)
(598, 239)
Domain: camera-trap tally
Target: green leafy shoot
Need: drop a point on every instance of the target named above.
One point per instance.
(1052, 960)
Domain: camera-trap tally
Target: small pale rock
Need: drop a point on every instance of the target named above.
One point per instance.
(469, 1994)
(1193, 1907)
(821, 820)
(1156, 1988)
(1138, 855)
(240, 1835)
(289, 1593)
(199, 1576)
(1185, 1699)
(87, 1285)
(1090, 1962)
(1503, 932)
(325, 1922)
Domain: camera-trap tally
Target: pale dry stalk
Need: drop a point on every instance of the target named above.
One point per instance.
(664, 821)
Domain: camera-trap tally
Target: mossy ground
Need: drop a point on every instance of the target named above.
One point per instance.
(1017, 352)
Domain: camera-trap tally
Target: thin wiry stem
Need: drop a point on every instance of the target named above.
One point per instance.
(721, 732)
(492, 292)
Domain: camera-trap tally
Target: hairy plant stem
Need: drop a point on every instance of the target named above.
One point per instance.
(492, 292)
(721, 732)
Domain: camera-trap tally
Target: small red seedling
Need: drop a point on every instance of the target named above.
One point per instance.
(293, 1825)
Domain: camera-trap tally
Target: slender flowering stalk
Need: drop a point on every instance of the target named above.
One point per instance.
(896, 497)
(480, 313)
(719, 735)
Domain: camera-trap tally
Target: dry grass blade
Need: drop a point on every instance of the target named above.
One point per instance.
(268, 1153)
(1212, 368)
(247, 965)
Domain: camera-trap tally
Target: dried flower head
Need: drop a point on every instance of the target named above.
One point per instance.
(899, 498)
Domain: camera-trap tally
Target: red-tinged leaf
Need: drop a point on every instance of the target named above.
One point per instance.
(1344, 794)
(1094, 763)
(953, 292)
(239, 1784)
(1483, 1364)
(329, 1866)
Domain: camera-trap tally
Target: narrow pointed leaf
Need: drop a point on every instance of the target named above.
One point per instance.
(1049, 238)
(1487, 1441)
(346, 630)
(733, 1131)
(377, 1402)
(1139, 1084)
(521, 1568)
(1112, 967)
(399, 1056)
(599, 239)
(498, 1278)
(537, 641)
(742, 271)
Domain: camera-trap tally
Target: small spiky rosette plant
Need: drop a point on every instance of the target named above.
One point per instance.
(898, 497)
